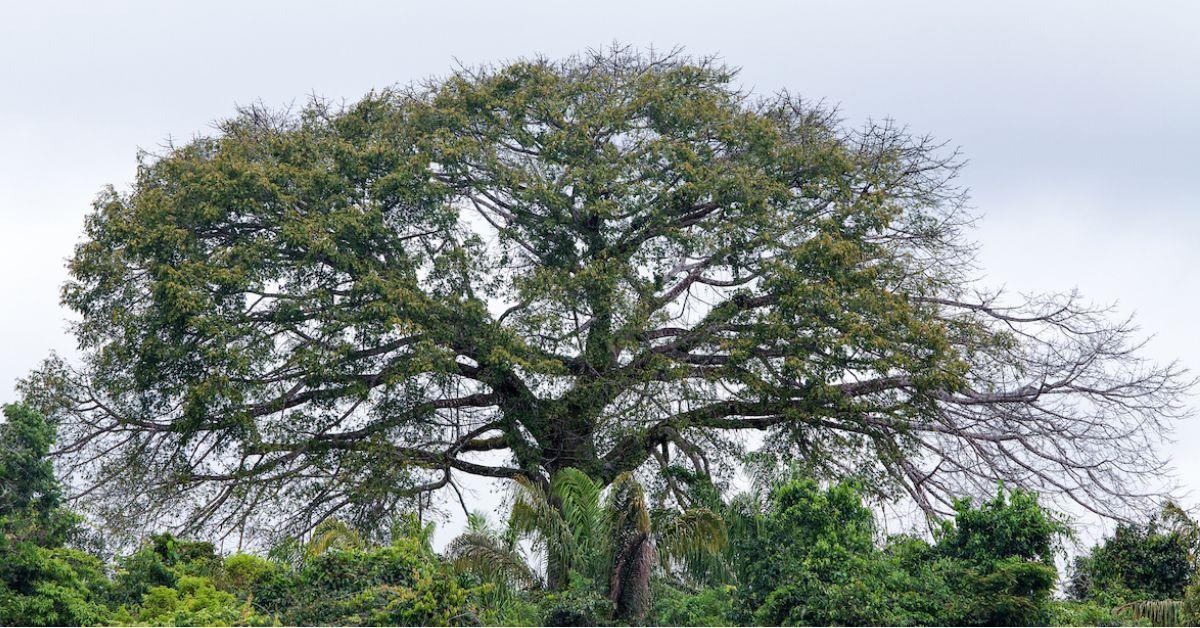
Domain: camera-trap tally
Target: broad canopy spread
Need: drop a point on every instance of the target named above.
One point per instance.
(617, 262)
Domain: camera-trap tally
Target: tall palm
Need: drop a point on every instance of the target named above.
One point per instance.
(611, 539)
(632, 546)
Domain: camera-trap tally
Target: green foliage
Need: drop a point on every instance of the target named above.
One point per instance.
(403, 583)
(30, 499)
(337, 578)
(1011, 525)
(160, 562)
(1006, 592)
(195, 601)
(41, 582)
(1076, 613)
(567, 524)
(580, 603)
(1151, 561)
(806, 558)
(809, 556)
(340, 579)
(1002, 557)
(804, 555)
(710, 606)
(50, 586)
(176, 582)
(244, 572)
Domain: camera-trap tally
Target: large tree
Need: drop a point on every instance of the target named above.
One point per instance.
(610, 262)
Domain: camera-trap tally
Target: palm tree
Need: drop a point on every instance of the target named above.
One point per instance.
(329, 534)
(565, 524)
(493, 554)
(611, 539)
(333, 534)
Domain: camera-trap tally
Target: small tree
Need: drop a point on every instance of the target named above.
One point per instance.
(42, 583)
(810, 556)
(31, 502)
(1155, 560)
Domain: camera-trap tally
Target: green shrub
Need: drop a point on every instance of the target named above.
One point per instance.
(580, 604)
(160, 562)
(710, 606)
(50, 586)
(244, 572)
(808, 556)
(1076, 613)
(403, 583)
(195, 602)
(1152, 561)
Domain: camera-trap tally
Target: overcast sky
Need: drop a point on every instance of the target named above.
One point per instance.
(1081, 120)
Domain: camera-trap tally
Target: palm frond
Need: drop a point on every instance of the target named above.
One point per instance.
(695, 531)
(478, 522)
(486, 555)
(627, 505)
(535, 516)
(1158, 612)
(333, 534)
(578, 497)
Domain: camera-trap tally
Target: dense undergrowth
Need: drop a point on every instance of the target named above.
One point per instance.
(801, 553)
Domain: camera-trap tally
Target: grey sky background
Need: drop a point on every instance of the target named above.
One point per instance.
(1080, 119)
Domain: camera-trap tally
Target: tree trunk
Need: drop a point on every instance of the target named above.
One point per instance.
(629, 588)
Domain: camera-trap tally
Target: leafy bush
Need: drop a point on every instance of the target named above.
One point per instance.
(1151, 561)
(710, 606)
(244, 572)
(160, 562)
(580, 603)
(1001, 560)
(1076, 613)
(403, 583)
(50, 586)
(814, 560)
(195, 602)
(1011, 525)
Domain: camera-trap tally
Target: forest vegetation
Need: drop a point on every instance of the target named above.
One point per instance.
(702, 338)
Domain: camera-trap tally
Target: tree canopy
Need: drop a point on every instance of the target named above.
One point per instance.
(615, 262)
